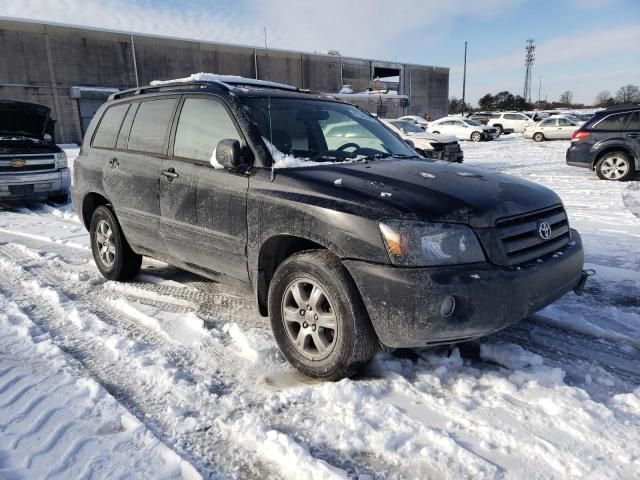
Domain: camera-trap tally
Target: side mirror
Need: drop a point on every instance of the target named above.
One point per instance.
(228, 155)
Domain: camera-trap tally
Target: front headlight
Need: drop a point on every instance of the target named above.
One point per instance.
(61, 160)
(420, 244)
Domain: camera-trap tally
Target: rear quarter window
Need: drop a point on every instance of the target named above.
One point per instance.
(615, 121)
(107, 131)
(634, 124)
(150, 127)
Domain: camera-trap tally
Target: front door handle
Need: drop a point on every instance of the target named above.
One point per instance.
(170, 174)
(113, 162)
(633, 135)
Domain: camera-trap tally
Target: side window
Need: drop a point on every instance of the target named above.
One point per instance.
(459, 124)
(612, 122)
(549, 122)
(511, 116)
(107, 132)
(203, 123)
(495, 115)
(563, 122)
(123, 138)
(149, 130)
(634, 124)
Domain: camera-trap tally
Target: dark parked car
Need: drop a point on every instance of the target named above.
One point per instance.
(481, 117)
(347, 245)
(609, 143)
(32, 166)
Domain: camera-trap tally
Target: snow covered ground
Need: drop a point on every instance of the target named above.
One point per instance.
(174, 376)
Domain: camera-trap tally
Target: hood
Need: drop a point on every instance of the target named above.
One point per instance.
(424, 190)
(21, 118)
(432, 137)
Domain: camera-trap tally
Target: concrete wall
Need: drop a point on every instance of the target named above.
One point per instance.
(40, 63)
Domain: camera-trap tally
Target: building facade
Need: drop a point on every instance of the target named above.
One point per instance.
(73, 70)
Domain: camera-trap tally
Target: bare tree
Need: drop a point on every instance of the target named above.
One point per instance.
(604, 99)
(628, 94)
(566, 98)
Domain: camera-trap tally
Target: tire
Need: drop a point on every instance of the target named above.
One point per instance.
(436, 132)
(499, 129)
(538, 137)
(328, 353)
(476, 137)
(614, 166)
(119, 261)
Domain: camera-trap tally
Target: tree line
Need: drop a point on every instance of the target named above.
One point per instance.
(505, 100)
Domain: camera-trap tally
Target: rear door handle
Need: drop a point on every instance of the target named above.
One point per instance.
(170, 174)
(113, 162)
(633, 135)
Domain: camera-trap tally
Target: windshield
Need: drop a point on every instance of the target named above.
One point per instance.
(472, 122)
(323, 131)
(407, 127)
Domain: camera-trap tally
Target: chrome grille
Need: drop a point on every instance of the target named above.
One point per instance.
(521, 241)
(28, 163)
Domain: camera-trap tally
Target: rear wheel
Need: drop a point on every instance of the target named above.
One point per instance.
(318, 318)
(614, 166)
(436, 132)
(499, 129)
(538, 137)
(113, 256)
(476, 136)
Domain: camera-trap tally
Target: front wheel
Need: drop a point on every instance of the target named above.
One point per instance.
(476, 136)
(538, 137)
(614, 166)
(318, 318)
(499, 129)
(113, 256)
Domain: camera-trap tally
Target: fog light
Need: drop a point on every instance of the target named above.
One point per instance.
(448, 307)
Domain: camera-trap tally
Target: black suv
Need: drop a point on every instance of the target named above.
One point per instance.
(347, 244)
(609, 143)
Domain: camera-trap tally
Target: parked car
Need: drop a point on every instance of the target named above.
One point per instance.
(556, 127)
(480, 117)
(32, 166)
(415, 119)
(345, 248)
(429, 145)
(463, 129)
(510, 122)
(609, 143)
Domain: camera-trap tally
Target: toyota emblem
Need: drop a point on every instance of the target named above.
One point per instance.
(544, 230)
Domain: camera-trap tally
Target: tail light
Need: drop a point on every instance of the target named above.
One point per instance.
(579, 135)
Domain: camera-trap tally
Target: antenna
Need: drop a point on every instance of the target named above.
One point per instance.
(266, 52)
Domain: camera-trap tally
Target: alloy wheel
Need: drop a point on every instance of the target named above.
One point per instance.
(614, 168)
(105, 243)
(310, 319)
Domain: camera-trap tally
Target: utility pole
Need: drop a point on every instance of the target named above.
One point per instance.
(539, 90)
(528, 63)
(464, 77)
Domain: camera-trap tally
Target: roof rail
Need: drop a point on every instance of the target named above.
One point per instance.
(166, 86)
(622, 106)
(226, 83)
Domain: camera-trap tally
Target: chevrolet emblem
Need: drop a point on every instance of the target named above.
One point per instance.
(17, 163)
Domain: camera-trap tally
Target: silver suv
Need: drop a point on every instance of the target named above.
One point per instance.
(32, 166)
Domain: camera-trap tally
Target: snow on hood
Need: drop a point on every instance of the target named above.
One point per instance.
(283, 160)
(437, 137)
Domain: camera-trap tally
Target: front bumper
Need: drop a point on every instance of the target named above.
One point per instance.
(34, 186)
(404, 304)
(450, 152)
(528, 134)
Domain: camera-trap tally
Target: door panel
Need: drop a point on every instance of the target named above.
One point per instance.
(204, 217)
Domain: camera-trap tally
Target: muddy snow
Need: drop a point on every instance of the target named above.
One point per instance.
(174, 376)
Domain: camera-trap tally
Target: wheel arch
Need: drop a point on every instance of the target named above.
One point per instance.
(90, 202)
(273, 252)
(615, 148)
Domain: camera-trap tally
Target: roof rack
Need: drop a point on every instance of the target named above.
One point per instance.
(623, 106)
(227, 84)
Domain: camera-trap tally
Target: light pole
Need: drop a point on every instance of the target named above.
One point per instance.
(464, 77)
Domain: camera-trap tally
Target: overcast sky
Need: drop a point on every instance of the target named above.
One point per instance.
(582, 45)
